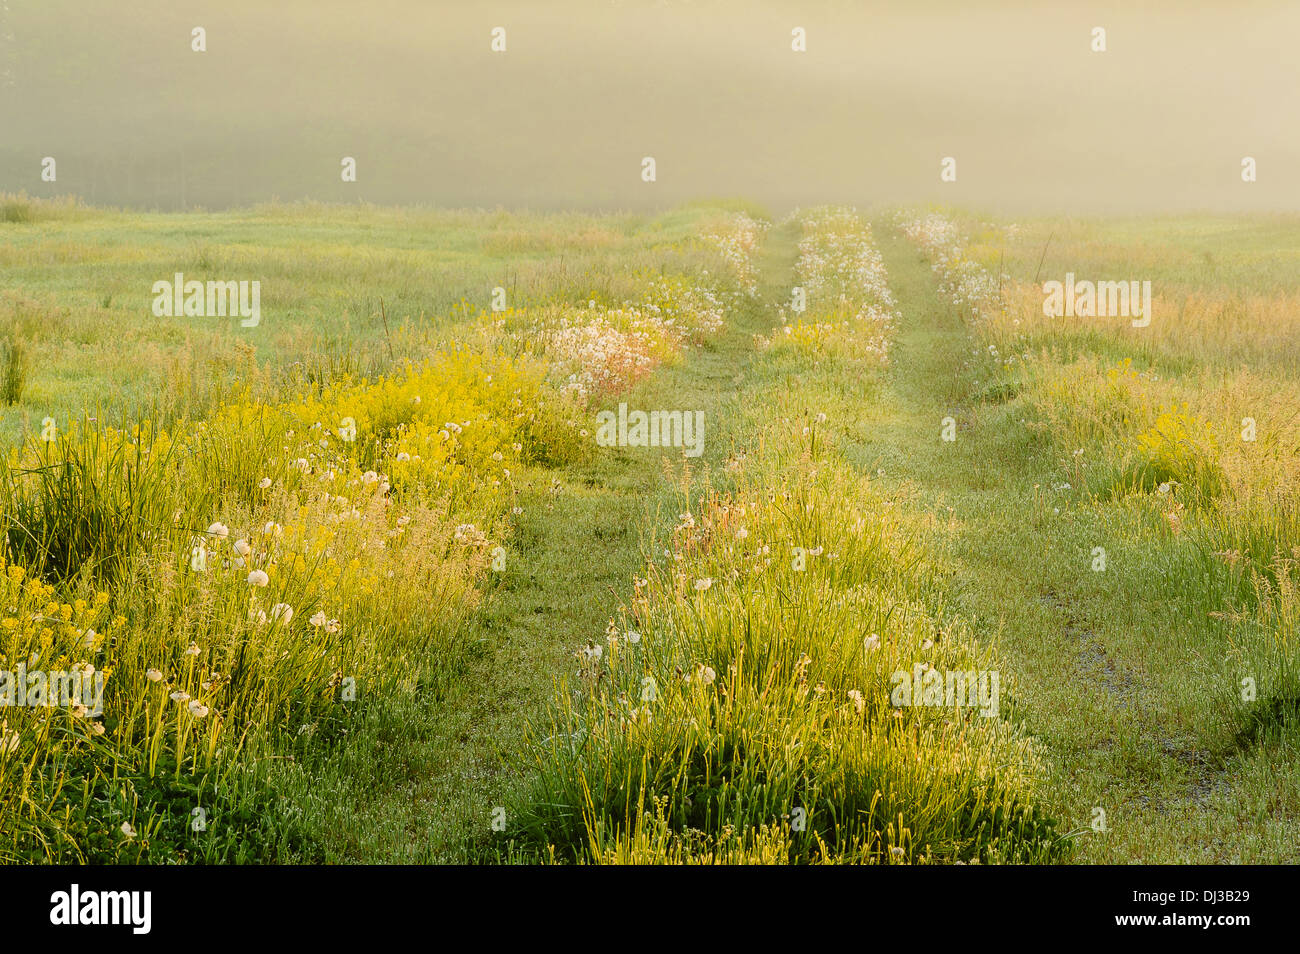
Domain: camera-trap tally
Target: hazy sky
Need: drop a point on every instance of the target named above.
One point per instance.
(711, 90)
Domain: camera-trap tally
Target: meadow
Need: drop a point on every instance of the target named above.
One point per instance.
(361, 585)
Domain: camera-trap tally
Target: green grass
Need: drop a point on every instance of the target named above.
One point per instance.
(1127, 678)
(488, 738)
(79, 289)
(785, 744)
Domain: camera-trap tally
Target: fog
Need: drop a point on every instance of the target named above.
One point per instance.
(411, 89)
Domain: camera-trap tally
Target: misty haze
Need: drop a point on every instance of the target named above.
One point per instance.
(639, 433)
(710, 89)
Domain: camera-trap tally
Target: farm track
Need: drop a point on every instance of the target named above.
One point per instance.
(1013, 578)
(1081, 684)
(1090, 688)
(569, 569)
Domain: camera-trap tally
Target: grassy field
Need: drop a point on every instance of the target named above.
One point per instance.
(364, 585)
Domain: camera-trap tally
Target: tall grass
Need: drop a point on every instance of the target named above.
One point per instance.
(85, 503)
(259, 574)
(253, 562)
(13, 378)
(765, 699)
(20, 208)
(742, 708)
(1190, 421)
